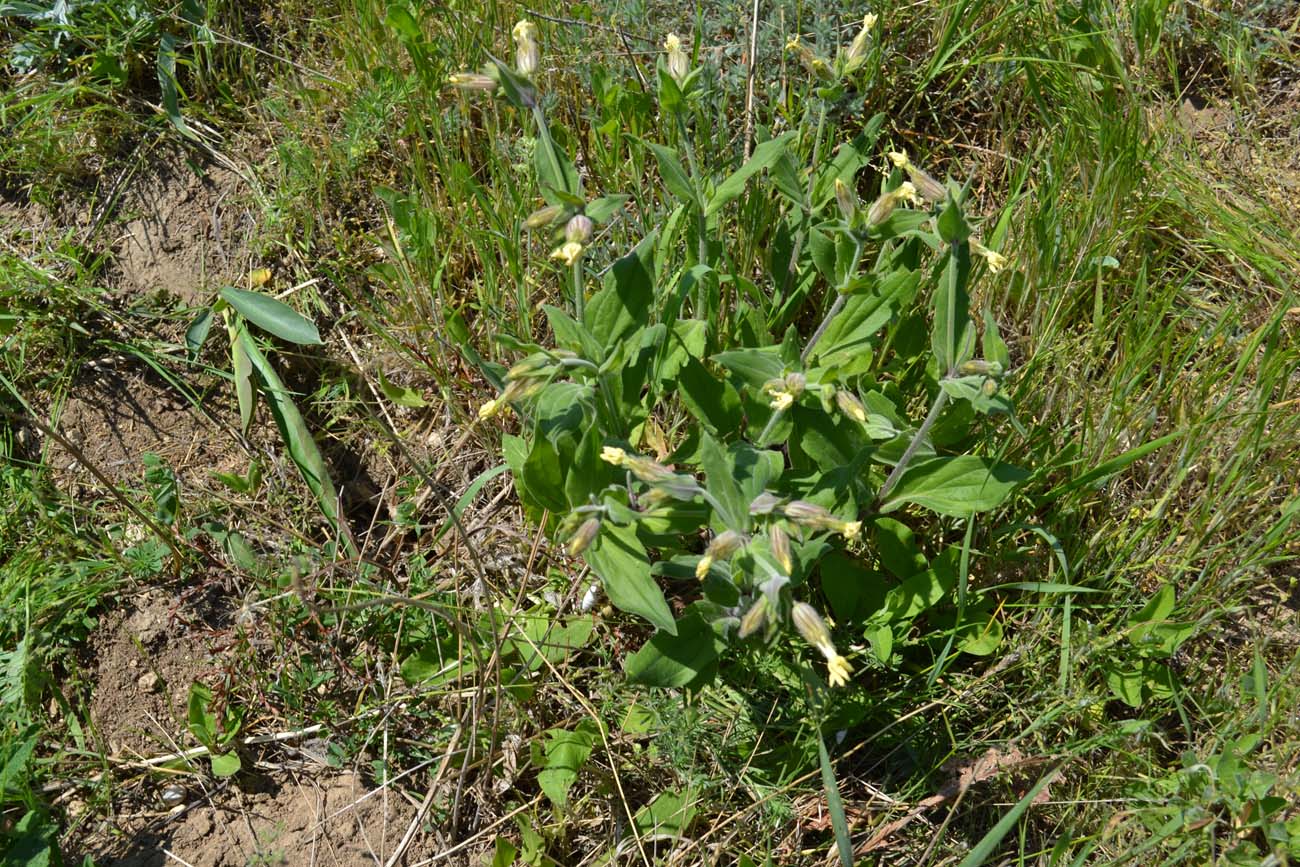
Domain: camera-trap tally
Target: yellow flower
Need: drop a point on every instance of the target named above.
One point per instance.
(858, 48)
(528, 56)
(491, 408)
(782, 400)
(995, 260)
(613, 455)
(569, 253)
(838, 670)
(850, 529)
(702, 567)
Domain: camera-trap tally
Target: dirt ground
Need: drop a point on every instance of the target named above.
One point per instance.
(299, 818)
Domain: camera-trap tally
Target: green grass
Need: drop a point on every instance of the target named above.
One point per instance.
(1150, 296)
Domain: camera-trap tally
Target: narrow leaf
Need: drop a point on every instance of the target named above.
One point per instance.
(763, 157)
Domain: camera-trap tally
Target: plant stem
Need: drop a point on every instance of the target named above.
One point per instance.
(821, 329)
(579, 302)
(931, 417)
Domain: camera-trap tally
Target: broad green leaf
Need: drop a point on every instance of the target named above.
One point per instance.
(668, 815)
(543, 476)
(273, 316)
(572, 335)
(225, 765)
(555, 640)
(202, 722)
(851, 333)
(197, 332)
(955, 486)
(952, 224)
(895, 544)
(953, 339)
(623, 304)
(503, 853)
(763, 157)
(980, 636)
(992, 344)
(1158, 607)
(565, 754)
(600, 210)
(720, 481)
(923, 590)
(687, 341)
(1126, 685)
(675, 177)
(712, 401)
(849, 158)
(399, 394)
(675, 661)
(623, 565)
(753, 366)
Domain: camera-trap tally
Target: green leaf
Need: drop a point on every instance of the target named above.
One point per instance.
(565, 754)
(1126, 685)
(763, 157)
(503, 853)
(721, 484)
(623, 565)
(753, 366)
(668, 815)
(225, 765)
(399, 394)
(952, 224)
(992, 344)
(688, 658)
(572, 335)
(623, 304)
(202, 723)
(675, 177)
(852, 330)
(298, 439)
(197, 332)
(895, 543)
(167, 83)
(955, 486)
(243, 371)
(839, 823)
(543, 477)
(163, 487)
(988, 844)
(980, 636)
(272, 316)
(600, 210)
(923, 590)
(712, 401)
(953, 339)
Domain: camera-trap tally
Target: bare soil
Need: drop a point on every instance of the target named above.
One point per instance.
(146, 656)
(317, 819)
(184, 229)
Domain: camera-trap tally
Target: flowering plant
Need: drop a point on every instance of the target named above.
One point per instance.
(682, 434)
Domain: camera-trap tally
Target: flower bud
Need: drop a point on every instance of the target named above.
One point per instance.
(528, 56)
(578, 229)
(858, 48)
(764, 504)
(472, 81)
(980, 367)
(569, 253)
(847, 200)
(811, 62)
(780, 542)
(754, 618)
(881, 208)
(679, 65)
(585, 535)
(534, 365)
(851, 406)
(543, 217)
(811, 625)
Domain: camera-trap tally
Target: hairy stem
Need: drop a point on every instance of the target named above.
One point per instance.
(930, 418)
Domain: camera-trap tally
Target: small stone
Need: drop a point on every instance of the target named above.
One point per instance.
(148, 681)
